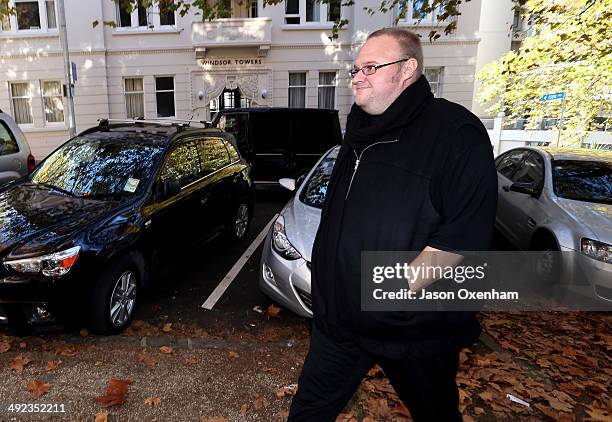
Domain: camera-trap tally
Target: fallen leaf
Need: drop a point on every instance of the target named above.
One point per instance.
(219, 419)
(5, 346)
(599, 414)
(260, 402)
(152, 401)
(115, 393)
(23, 345)
(167, 350)
(233, 354)
(147, 359)
(167, 327)
(37, 388)
(244, 409)
(67, 351)
(190, 360)
(52, 365)
(18, 363)
(272, 311)
(101, 416)
(84, 332)
(486, 396)
(289, 390)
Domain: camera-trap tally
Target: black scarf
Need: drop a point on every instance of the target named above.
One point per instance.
(363, 129)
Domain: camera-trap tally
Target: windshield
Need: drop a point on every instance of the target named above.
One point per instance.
(315, 189)
(589, 181)
(89, 167)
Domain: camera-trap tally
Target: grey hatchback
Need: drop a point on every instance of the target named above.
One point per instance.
(16, 160)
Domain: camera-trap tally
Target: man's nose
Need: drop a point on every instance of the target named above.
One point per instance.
(359, 78)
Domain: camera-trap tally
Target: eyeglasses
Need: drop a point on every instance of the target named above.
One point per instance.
(370, 69)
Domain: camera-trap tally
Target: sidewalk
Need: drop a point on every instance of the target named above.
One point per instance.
(559, 363)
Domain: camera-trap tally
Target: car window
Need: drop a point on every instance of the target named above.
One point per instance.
(315, 190)
(316, 128)
(589, 181)
(100, 165)
(233, 153)
(531, 171)
(213, 154)
(8, 144)
(271, 132)
(509, 163)
(182, 164)
(236, 124)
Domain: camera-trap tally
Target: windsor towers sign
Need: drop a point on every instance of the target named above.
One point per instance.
(231, 62)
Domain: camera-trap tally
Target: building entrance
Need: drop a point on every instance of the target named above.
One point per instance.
(229, 98)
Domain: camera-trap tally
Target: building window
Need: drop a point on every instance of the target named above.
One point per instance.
(327, 90)
(139, 17)
(134, 98)
(164, 96)
(411, 11)
(53, 106)
(21, 98)
(303, 11)
(253, 9)
(434, 76)
(28, 15)
(297, 90)
(51, 19)
(166, 12)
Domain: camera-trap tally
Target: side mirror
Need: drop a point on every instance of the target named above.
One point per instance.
(526, 188)
(167, 189)
(288, 184)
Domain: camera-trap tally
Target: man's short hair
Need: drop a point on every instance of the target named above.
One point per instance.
(409, 42)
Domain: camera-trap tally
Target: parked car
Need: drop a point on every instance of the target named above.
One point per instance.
(553, 200)
(16, 160)
(97, 219)
(284, 274)
(281, 142)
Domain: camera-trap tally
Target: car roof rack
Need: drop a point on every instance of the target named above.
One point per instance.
(180, 124)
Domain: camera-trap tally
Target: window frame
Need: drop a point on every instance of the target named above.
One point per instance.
(438, 83)
(305, 87)
(42, 102)
(126, 93)
(13, 28)
(334, 86)
(153, 20)
(430, 19)
(301, 15)
(165, 90)
(12, 98)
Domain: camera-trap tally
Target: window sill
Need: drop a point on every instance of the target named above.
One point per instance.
(51, 128)
(145, 31)
(308, 26)
(416, 24)
(29, 34)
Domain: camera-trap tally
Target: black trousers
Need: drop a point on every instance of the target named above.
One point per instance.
(333, 371)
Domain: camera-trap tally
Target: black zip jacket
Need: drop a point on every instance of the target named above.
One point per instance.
(428, 179)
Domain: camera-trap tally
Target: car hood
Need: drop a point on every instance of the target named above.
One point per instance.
(301, 225)
(596, 217)
(42, 219)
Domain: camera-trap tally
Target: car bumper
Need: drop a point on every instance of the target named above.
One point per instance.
(287, 282)
(598, 274)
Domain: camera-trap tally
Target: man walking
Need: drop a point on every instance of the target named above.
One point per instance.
(414, 173)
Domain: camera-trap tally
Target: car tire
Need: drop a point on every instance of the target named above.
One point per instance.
(114, 298)
(238, 227)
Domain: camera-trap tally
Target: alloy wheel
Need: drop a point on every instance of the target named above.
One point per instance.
(123, 298)
(242, 221)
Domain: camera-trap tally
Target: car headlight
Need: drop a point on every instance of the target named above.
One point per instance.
(53, 265)
(596, 250)
(280, 243)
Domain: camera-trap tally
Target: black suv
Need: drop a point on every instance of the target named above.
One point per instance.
(90, 226)
(281, 142)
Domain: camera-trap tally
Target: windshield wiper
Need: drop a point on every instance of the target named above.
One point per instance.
(52, 187)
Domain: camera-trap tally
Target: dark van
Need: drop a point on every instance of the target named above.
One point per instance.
(281, 142)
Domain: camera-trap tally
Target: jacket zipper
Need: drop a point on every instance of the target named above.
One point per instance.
(358, 157)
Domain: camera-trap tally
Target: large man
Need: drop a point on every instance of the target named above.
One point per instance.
(415, 173)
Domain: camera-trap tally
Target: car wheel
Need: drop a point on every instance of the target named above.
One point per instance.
(547, 263)
(114, 299)
(239, 226)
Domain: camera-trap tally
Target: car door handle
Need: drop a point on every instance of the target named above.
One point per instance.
(506, 188)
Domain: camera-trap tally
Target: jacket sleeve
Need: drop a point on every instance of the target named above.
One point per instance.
(464, 192)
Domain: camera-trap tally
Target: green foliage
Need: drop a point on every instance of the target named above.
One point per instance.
(569, 50)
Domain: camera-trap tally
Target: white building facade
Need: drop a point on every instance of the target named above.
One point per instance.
(162, 65)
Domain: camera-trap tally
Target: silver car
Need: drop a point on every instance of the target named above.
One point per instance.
(284, 273)
(559, 200)
(16, 159)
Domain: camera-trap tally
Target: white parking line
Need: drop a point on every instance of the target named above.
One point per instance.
(236, 268)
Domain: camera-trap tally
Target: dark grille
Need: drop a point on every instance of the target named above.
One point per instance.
(305, 297)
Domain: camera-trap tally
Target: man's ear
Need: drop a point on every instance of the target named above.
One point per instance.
(410, 70)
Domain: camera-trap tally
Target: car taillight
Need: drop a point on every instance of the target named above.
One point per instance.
(31, 163)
